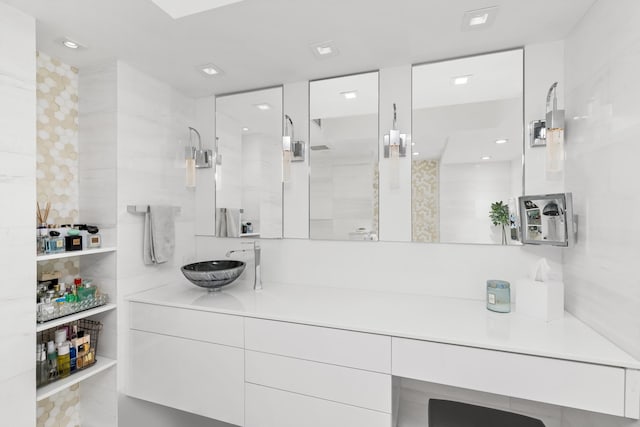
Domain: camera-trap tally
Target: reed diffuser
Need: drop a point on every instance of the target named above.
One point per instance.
(41, 236)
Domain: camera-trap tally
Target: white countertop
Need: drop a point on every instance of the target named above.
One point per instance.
(430, 318)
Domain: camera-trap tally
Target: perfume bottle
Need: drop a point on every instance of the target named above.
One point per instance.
(42, 369)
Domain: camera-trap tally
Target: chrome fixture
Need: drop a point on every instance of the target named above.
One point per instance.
(395, 143)
(292, 150)
(203, 158)
(257, 277)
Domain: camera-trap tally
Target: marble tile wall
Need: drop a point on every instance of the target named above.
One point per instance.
(17, 216)
(152, 118)
(602, 132)
(60, 410)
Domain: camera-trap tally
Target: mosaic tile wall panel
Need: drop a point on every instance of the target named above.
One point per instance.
(57, 138)
(60, 410)
(425, 201)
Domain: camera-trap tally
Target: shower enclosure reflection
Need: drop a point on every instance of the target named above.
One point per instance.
(344, 158)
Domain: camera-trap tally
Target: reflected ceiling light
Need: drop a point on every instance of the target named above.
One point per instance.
(461, 80)
(351, 94)
(501, 141)
(210, 69)
(415, 153)
(486, 157)
(325, 49)
(479, 18)
(245, 129)
(263, 107)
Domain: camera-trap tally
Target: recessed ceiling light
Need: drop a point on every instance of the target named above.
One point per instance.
(486, 157)
(210, 69)
(415, 153)
(479, 18)
(70, 44)
(263, 107)
(501, 141)
(461, 80)
(324, 49)
(351, 94)
(245, 129)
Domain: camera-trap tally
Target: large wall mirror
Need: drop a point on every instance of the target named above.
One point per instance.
(343, 135)
(467, 146)
(249, 164)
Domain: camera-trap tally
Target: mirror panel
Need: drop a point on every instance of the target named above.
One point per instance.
(343, 135)
(467, 147)
(249, 164)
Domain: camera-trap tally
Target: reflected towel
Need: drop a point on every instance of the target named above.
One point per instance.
(228, 222)
(159, 234)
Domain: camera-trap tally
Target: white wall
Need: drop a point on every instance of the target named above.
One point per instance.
(17, 220)
(602, 59)
(152, 118)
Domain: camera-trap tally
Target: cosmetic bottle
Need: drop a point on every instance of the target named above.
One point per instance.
(64, 360)
(52, 361)
(55, 242)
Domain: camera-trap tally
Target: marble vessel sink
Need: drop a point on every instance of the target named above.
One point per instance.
(213, 275)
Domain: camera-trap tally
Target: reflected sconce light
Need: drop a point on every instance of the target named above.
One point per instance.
(195, 158)
(292, 150)
(395, 146)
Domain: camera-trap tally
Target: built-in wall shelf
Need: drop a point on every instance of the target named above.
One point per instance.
(76, 316)
(75, 253)
(102, 364)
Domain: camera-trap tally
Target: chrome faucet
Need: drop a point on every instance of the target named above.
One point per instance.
(257, 276)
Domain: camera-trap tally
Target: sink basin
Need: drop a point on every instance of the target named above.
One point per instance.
(213, 275)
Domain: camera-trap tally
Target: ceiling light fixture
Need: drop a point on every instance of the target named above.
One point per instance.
(70, 44)
(324, 49)
(351, 94)
(479, 18)
(263, 107)
(415, 153)
(461, 80)
(245, 129)
(210, 69)
(501, 141)
(486, 157)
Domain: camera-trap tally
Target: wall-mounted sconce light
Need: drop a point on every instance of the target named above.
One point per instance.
(195, 158)
(554, 135)
(292, 150)
(395, 146)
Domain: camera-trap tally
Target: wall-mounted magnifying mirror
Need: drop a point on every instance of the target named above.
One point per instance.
(344, 158)
(467, 148)
(249, 164)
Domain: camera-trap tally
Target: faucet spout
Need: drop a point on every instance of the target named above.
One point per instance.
(257, 273)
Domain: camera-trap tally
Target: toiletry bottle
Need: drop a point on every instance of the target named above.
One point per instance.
(64, 360)
(52, 361)
(73, 352)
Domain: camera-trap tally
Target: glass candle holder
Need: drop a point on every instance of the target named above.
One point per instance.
(499, 296)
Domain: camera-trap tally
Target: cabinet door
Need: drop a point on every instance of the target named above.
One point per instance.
(193, 376)
(268, 407)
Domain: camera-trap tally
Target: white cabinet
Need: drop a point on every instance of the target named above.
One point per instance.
(194, 376)
(268, 407)
(326, 345)
(577, 385)
(355, 387)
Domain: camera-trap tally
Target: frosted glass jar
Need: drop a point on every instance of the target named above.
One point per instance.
(499, 296)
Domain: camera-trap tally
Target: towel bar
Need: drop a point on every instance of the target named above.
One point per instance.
(142, 209)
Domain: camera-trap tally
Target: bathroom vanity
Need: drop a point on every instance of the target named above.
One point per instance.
(331, 356)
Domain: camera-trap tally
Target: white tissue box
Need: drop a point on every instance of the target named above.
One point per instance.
(542, 300)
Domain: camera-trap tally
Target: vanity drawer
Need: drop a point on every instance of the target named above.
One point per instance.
(356, 387)
(327, 345)
(573, 384)
(192, 324)
(268, 407)
(193, 376)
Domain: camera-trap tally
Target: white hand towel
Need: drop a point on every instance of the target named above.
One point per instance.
(221, 222)
(159, 234)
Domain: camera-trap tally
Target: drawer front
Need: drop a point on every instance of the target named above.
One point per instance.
(193, 376)
(192, 324)
(267, 407)
(559, 382)
(355, 387)
(334, 346)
